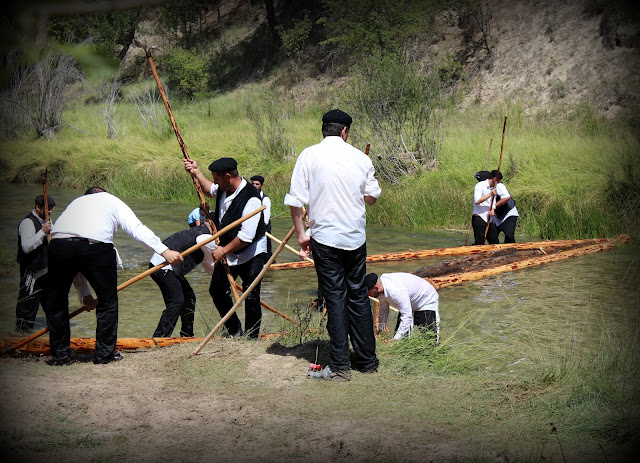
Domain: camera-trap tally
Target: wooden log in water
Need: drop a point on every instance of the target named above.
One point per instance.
(453, 251)
(465, 277)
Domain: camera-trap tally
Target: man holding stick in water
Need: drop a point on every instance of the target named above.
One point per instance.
(244, 247)
(82, 241)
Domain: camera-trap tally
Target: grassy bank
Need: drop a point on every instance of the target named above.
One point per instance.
(572, 174)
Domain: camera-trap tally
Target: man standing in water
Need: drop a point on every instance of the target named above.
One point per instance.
(32, 257)
(336, 180)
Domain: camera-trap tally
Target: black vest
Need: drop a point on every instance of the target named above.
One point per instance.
(38, 258)
(235, 212)
(504, 209)
(183, 240)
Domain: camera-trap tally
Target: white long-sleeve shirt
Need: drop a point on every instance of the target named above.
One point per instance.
(482, 209)
(29, 238)
(247, 230)
(332, 178)
(98, 216)
(408, 293)
(502, 191)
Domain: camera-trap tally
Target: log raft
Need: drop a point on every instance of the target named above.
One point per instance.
(454, 251)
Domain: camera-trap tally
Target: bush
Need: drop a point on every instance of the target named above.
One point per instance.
(393, 103)
(186, 71)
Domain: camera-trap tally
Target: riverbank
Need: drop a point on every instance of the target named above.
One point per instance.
(250, 401)
(572, 173)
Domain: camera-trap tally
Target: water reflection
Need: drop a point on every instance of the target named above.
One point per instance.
(516, 318)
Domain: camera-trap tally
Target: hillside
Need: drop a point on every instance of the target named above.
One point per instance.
(543, 53)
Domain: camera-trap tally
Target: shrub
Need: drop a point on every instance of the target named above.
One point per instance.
(187, 71)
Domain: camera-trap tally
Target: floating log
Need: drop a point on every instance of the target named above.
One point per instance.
(453, 251)
(477, 274)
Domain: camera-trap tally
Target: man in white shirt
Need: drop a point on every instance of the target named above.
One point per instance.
(336, 180)
(258, 182)
(32, 257)
(506, 214)
(244, 247)
(483, 193)
(415, 298)
(82, 241)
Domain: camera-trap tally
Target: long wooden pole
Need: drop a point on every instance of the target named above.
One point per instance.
(46, 201)
(486, 160)
(203, 203)
(269, 308)
(141, 276)
(486, 230)
(245, 294)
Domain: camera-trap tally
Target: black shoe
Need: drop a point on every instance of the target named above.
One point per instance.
(116, 356)
(62, 362)
(236, 335)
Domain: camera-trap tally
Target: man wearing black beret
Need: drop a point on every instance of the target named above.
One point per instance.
(244, 247)
(336, 180)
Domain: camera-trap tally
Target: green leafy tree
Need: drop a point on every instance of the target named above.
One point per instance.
(183, 21)
(186, 70)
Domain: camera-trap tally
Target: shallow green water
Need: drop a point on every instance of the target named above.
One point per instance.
(511, 321)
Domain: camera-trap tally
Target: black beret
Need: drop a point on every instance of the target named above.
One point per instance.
(335, 115)
(259, 178)
(482, 175)
(40, 200)
(370, 281)
(223, 164)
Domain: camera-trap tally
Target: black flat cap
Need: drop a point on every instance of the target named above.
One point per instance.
(40, 200)
(482, 175)
(496, 173)
(335, 115)
(259, 178)
(370, 281)
(223, 164)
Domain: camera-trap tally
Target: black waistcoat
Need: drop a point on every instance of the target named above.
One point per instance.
(37, 259)
(235, 212)
(183, 240)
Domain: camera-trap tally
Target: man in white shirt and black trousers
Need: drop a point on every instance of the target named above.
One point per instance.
(82, 241)
(244, 247)
(336, 180)
(415, 298)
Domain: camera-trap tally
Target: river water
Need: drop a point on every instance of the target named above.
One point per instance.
(509, 322)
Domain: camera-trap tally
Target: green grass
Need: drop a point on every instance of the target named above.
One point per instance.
(571, 173)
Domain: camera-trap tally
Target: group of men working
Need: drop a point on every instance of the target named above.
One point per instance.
(333, 179)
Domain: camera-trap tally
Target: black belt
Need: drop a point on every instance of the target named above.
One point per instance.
(74, 238)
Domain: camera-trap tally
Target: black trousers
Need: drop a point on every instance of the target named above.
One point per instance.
(30, 299)
(425, 320)
(508, 227)
(479, 227)
(97, 262)
(341, 281)
(179, 301)
(220, 291)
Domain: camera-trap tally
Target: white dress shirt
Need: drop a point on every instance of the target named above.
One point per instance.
(332, 178)
(482, 188)
(408, 293)
(502, 191)
(29, 238)
(266, 202)
(97, 217)
(248, 229)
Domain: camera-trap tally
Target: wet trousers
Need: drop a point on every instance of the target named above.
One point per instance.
(220, 291)
(179, 301)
